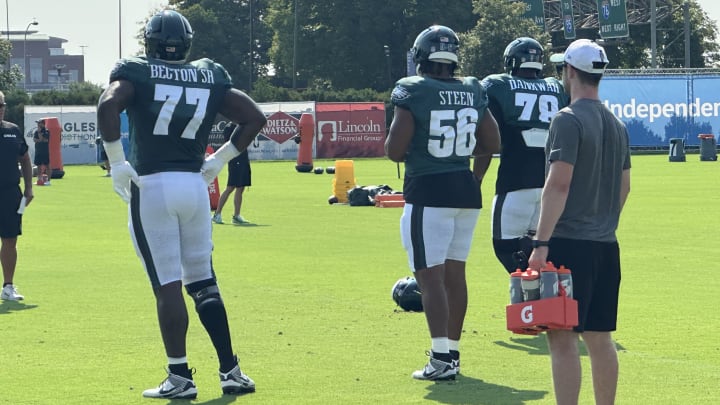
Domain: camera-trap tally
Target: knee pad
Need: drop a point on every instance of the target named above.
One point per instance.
(206, 296)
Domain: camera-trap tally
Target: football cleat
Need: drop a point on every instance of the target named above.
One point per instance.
(455, 355)
(10, 293)
(436, 370)
(236, 382)
(173, 387)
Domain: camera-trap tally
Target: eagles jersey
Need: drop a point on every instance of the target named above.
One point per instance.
(437, 165)
(173, 111)
(523, 109)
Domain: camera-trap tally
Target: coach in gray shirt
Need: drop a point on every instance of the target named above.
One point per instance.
(587, 183)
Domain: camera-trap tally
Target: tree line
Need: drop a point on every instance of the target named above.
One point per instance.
(346, 50)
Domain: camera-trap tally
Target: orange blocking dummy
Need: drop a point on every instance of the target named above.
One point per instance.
(56, 163)
(307, 133)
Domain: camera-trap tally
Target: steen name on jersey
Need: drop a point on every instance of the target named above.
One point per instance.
(182, 74)
(452, 97)
(534, 85)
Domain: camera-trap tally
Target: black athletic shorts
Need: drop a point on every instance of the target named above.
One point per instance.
(595, 268)
(10, 220)
(42, 154)
(239, 174)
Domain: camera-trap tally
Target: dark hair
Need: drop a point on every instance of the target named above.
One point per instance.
(589, 78)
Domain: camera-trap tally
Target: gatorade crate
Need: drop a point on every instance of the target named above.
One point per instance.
(534, 317)
(389, 200)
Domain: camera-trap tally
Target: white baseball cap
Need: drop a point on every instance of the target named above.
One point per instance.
(586, 55)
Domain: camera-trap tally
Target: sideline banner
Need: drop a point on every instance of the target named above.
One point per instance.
(657, 108)
(350, 130)
(79, 129)
(276, 140)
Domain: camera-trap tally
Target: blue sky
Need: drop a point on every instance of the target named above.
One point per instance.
(90, 26)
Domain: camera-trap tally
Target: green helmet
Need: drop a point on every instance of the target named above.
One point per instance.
(168, 36)
(525, 53)
(437, 43)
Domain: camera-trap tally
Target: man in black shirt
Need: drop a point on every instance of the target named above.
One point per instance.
(13, 150)
(239, 177)
(41, 136)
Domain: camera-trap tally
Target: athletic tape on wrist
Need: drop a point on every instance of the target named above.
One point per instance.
(227, 152)
(114, 151)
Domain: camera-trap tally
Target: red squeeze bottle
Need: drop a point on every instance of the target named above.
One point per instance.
(516, 294)
(530, 285)
(565, 281)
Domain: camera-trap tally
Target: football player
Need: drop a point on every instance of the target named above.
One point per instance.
(522, 102)
(440, 122)
(171, 105)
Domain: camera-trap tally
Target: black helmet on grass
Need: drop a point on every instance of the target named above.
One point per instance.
(406, 294)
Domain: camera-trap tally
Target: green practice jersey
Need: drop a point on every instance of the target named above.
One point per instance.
(446, 114)
(523, 109)
(173, 111)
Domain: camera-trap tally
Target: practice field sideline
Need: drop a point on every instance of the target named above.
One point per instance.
(308, 297)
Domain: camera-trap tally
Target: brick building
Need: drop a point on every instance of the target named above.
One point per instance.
(46, 64)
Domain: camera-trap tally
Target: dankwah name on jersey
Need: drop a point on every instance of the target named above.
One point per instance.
(183, 74)
(535, 86)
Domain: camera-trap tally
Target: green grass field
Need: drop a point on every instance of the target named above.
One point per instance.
(308, 296)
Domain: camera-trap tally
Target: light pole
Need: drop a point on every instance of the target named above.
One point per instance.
(294, 54)
(25, 69)
(7, 22)
(387, 62)
(252, 46)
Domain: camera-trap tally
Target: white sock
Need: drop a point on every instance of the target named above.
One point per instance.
(177, 360)
(440, 345)
(454, 345)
